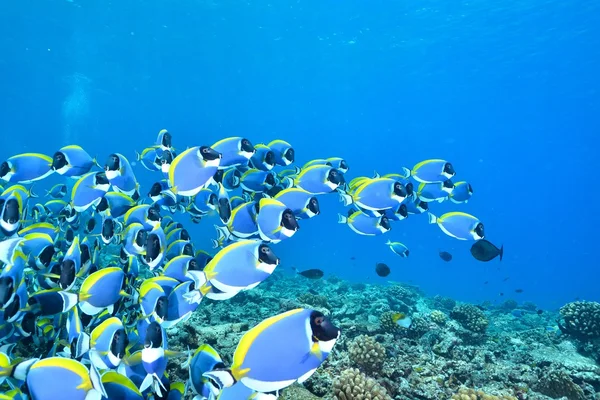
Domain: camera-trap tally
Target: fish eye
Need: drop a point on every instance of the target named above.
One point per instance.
(205, 150)
(319, 320)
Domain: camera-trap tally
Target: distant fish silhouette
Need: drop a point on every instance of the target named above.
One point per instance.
(444, 255)
(484, 250)
(310, 273)
(382, 269)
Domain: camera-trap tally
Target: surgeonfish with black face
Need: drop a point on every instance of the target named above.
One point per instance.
(101, 290)
(89, 190)
(156, 246)
(108, 343)
(235, 151)
(257, 181)
(432, 171)
(462, 192)
(275, 221)
(193, 169)
(429, 192)
(120, 174)
(366, 225)
(303, 204)
(376, 194)
(283, 151)
(297, 342)
(319, 179)
(240, 266)
(459, 225)
(26, 168)
(263, 159)
(72, 161)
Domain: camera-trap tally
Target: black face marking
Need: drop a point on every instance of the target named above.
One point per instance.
(479, 230)
(469, 188)
(11, 211)
(266, 255)
(313, 205)
(67, 274)
(46, 255)
(270, 158)
(448, 184)
(385, 223)
(166, 158)
(399, 190)
(6, 290)
(288, 220)
(58, 161)
(335, 177)
(247, 146)
(184, 235)
(153, 336)
(290, 155)
(101, 179)
(119, 343)
(188, 250)
(212, 199)
(218, 176)
(162, 304)
(28, 323)
(402, 211)
(449, 169)
(270, 179)
(153, 214)
(209, 154)
(344, 165)
(410, 188)
(322, 328)
(141, 237)
(167, 139)
(102, 206)
(152, 247)
(113, 163)
(108, 229)
(155, 189)
(4, 169)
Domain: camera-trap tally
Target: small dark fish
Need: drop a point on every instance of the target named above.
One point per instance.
(485, 283)
(311, 273)
(444, 255)
(540, 312)
(353, 258)
(518, 290)
(484, 250)
(382, 269)
(505, 279)
(501, 294)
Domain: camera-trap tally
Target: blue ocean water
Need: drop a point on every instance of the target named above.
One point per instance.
(508, 92)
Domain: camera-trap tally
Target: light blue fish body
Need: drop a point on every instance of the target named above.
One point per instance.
(242, 223)
(416, 206)
(398, 248)
(270, 221)
(26, 168)
(140, 214)
(430, 192)
(61, 378)
(263, 159)
(177, 267)
(233, 152)
(205, 201)
(377, 194)
(283, 151)
(432, 171)
(79, 162)
(150, 159)
(364, 224)
(124, 179)
(459, 225)
(316, 179)
(303, 204)
(101, 342)
(11, 214)
(462, 192)
(130, 245)
(231, 179)
(34, 245)
(257, 181)
(205, 359)
(118, 203)
(87, 191)
(183, 301)
(57, 191)
(239, 266)
(190, 172)
(179, 248)
(101, 289)
(339, 163)
(120, 387)
(54, 207)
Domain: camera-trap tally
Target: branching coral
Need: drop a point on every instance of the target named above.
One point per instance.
(365, 352)
(470, 317)
(354, 385)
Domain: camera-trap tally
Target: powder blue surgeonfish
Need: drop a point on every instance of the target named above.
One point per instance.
(319, 179)
(26, 168)
(120, 387)
(296, 342)
(303, 204)
(242, 223)
(72, 161)
(459, 225)
(240, 266)
(89, 190)
(101, 290)
(462, 192)
(193, 169)
(429, 192)
(433, 171)
(205, 359)
(62, 378)
(120, 174)
(263, 158)
(366, 225)
(108, 343)
(275, 221)
(235, 151)
(376, 194)
(257, 181)
(283, 151)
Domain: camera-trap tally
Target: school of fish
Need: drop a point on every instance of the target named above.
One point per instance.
(104, 327)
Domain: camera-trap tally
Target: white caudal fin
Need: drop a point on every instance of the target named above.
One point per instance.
(342, 219)
(432, 218)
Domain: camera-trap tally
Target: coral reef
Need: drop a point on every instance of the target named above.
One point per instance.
(366, 353)
(498, 352)
(354, 385)
(581, 319)
(470, 317)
